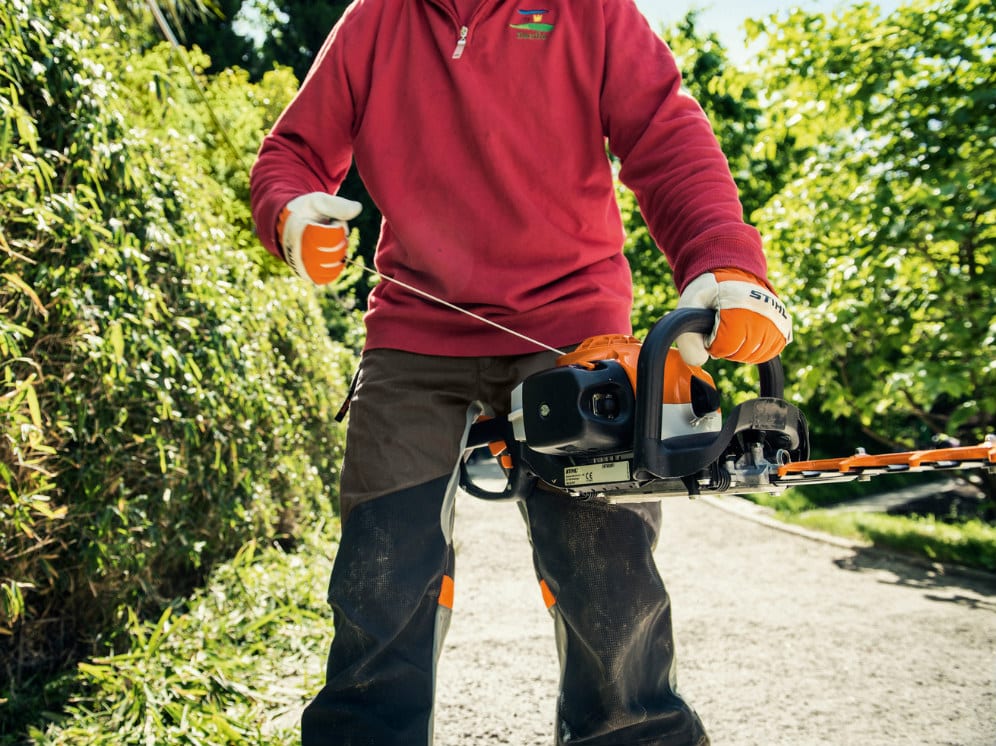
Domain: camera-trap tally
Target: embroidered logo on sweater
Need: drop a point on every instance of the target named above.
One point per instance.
(533, 27)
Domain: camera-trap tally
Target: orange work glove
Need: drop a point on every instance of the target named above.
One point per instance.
(314, 236)
(752, 325)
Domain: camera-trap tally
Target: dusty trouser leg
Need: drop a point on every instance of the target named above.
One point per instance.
(613, 623)
(391, 595)
(391, 585)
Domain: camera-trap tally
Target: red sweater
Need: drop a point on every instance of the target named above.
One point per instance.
(487, 158)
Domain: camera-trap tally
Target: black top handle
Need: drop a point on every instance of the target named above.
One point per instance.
(657, 457)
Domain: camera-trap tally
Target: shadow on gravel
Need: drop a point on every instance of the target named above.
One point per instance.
(913, 574)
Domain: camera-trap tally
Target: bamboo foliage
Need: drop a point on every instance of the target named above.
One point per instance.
(164, 396)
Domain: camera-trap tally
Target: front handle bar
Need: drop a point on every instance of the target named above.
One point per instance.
(654, 457)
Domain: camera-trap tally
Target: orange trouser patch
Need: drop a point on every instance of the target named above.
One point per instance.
(548, 598)
(446, 592)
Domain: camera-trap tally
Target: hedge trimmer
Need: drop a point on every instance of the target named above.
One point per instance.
(620, 421)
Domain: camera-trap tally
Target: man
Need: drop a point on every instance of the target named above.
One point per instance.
(479, 128)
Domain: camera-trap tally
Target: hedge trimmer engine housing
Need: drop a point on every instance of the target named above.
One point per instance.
(575, 423)
(587, 405)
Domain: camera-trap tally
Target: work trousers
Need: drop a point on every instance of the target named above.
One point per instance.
(391, 588)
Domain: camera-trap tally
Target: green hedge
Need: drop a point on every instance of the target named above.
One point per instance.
(162, 399)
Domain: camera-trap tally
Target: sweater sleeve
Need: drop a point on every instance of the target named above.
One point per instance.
(309, 148)
(670, 156)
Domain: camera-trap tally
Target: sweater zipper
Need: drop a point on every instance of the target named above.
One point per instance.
(461, 43)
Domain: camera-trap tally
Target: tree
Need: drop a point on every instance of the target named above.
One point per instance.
(257, 34)
(888, 219)
(226, 43)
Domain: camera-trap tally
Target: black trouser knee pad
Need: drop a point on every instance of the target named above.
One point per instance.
(389, 622)
(613, 623)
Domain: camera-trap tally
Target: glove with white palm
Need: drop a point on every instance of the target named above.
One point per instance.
(314, 235)
(752, 325)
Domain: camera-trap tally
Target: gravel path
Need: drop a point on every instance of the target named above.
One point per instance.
(782, 640)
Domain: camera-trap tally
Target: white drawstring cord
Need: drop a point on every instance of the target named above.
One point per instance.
(440, 301)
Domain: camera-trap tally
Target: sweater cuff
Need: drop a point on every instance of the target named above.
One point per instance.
(735, 247)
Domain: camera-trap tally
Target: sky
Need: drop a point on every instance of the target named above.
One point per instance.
(726, 17)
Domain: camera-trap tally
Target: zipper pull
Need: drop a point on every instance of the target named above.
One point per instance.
(461, 43)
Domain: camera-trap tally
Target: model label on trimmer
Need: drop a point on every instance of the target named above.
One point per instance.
(617, 471)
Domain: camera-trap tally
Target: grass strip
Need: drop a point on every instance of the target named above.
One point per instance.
(233, 664)
(971, 543)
